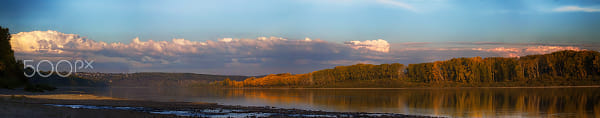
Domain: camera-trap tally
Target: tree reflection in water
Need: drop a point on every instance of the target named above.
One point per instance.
(463, 102)
(456, 102)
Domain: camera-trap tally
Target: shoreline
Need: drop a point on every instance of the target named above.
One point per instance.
(583, 86)
(586, 86)
(68, 104)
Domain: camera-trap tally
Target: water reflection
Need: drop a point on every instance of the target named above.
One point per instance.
(465, 102)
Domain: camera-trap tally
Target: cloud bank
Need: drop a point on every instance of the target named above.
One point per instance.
(272, 53)
(262, 55)
(516, 52)
(575, 9)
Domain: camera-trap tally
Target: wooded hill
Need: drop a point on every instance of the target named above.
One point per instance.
(555, 69)
(142, 79)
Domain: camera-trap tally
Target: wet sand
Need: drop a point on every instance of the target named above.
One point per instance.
(61, 104)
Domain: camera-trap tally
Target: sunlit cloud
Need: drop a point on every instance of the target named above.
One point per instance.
(378, 45)
(575, 9)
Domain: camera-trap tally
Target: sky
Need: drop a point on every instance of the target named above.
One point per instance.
(256, 37)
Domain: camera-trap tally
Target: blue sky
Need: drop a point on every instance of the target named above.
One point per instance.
(257, 37)
(334, 20)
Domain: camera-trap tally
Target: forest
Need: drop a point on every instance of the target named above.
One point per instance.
(562, 68)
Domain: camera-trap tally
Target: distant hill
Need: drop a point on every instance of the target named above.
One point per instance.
(71, 81)
(562, 68)
(143, 79)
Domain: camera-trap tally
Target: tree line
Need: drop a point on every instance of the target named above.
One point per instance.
(557, 66)
(11, 70)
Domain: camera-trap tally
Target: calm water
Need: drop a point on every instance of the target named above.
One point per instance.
(463, 102)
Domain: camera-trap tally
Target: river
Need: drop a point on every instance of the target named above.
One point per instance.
(450, 102)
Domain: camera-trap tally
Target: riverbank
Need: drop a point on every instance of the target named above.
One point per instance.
(16, 103)
(590, 86)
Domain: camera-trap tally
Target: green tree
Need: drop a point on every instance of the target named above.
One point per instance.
(11, 72)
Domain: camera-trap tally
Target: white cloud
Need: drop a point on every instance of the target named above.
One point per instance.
(378, 45)
(575, 9)
(307, 39)
(52, 42)
(226, 39)
(398, 4)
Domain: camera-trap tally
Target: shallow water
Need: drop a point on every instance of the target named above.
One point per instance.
(203, 113)
(456, 102)
(222, 113)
